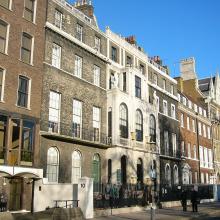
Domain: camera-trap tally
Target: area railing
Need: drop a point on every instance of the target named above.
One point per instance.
(66, 203)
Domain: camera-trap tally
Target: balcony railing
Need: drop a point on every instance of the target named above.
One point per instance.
(92, 135)
(157, 66)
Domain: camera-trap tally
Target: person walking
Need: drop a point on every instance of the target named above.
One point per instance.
(184, 200)
(194, 200)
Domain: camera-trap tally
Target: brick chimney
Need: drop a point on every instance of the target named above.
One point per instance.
(131, 40)
(86, 7)
(187, 69)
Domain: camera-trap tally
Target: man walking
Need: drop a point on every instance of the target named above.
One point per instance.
(194, 200)
(184, 200)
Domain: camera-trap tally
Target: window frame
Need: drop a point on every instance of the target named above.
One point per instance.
(9, 5)
(152, 128)
(58, 22)
(138, 87)
(165, 112)
(173, 111)
(79, 32)
(28, 94)
(6, 36)
(34, 11)
(139, 124)
(78, 104)
(78, 66)
(2, 92)
(97, 44)
(74, 166)
(56, 58)
(26, 49)
(123, 120)
(96, 75)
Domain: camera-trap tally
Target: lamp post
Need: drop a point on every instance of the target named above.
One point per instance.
(153, 189)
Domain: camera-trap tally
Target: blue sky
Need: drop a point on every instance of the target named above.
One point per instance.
(172, 29)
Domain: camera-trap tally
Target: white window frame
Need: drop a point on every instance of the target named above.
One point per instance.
(97, 43)
(79, 32)
(206, 157)
(189, 150)
(58, 19)
(184, 100)
(77, 114)
(174, 143)
(10, 5)
(200, 128)
(3, 84)
(76, 166)
(78, 66)
(7, 36)
(210, 157)
(188, 123)
(204, 113)
(172, 89)
(200, 111)
(208, 132)
(165, 110)
(195, 151)
(190, 104)
(182, 120)
(56, 55)
(204, 130)
(201, 155)
(176, 174)
(34, 11)
(173, 111)
(32, 47)
(96, 119)
(193, 125)
(97, 75)
(195, 108)
(54, 108)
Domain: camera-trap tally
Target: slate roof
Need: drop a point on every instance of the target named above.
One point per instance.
(204, 84)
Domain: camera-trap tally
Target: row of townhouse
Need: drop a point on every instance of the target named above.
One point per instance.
(76, 101)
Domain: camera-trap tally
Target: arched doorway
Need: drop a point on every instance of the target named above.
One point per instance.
(139, 170)
(124, 169)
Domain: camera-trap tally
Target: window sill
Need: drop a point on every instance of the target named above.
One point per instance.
(29, 64)
(25, 108)
(32, 22)
(6, 54)
(2, 101)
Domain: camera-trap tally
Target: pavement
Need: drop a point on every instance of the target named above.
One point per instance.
(210, 211)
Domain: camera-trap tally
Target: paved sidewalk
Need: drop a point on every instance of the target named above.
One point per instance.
(209, 211)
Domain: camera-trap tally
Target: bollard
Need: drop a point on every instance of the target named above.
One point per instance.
(152, 213)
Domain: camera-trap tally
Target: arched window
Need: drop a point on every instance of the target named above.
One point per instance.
(123, 121)
(176, 175)
(96, 172)
(152, 129)
(76, 166)
(139, 125)
(52, 164)
(167, 175)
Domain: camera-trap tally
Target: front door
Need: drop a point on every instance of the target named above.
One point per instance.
(15, 195)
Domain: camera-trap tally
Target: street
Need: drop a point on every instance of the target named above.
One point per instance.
(209, 211)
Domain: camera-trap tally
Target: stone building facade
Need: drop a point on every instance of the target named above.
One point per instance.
(164, 88)
(199, 106)
(21, 72)
(132, 120)
(74, 100)
(210, 88)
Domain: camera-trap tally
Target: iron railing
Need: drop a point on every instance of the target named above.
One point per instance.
(66, 203)
(92, 135)
(26, 155)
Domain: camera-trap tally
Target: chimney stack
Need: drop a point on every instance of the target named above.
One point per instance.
(86, 7)
(131, 40)
(187, 69)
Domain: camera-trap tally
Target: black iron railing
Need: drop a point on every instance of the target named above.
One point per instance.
(70, 130)
(26, 156)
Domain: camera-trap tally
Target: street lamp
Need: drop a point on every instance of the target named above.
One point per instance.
(153, 176)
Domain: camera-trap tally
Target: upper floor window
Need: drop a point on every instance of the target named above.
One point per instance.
(204, 130)
(76, 166)
(142, 69)
(164, 84)
(78, 66)
(200, 111)
(77, 118)
(168, 174)
(175, 175)
(97, 44)
(23, 92)
(173, 111)
(184, 100)
(200, 128)
(123, 121)
(56, 56)
(165, 110)
(195, 151)
(26, 48)
(204, 113)
(5, 3)
(155, 79)
(2, 83)
(129, 61)
(189, 150)
(97, 74)
(137, 87)
(3, 36)
(124, 82)
(114, 54)
(187, 123)
(58, 19)
(190, 104)
(193, 125)
(172, 89)
(139, 126)
(195, 108)
(52, 165)
(182, 120)
(29, 10)
(174, 144)
(152, 129)
(54, 111)
(166, 142)
(79, 32)
(96, 122)
(208, 133)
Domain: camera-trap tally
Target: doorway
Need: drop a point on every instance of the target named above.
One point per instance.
(124, 170)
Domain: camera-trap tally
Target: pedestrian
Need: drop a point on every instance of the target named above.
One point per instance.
(3, 201)
(116, 196)
(194, 200)
(184, 200)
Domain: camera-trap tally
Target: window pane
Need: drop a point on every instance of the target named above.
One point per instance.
(23, 91)
(29, 10)
(3, 32)
(26, 48)
(4, 3)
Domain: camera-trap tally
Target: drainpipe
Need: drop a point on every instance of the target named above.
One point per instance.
(32, 196)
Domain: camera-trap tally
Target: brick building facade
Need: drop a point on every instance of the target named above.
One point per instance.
(21, 70)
